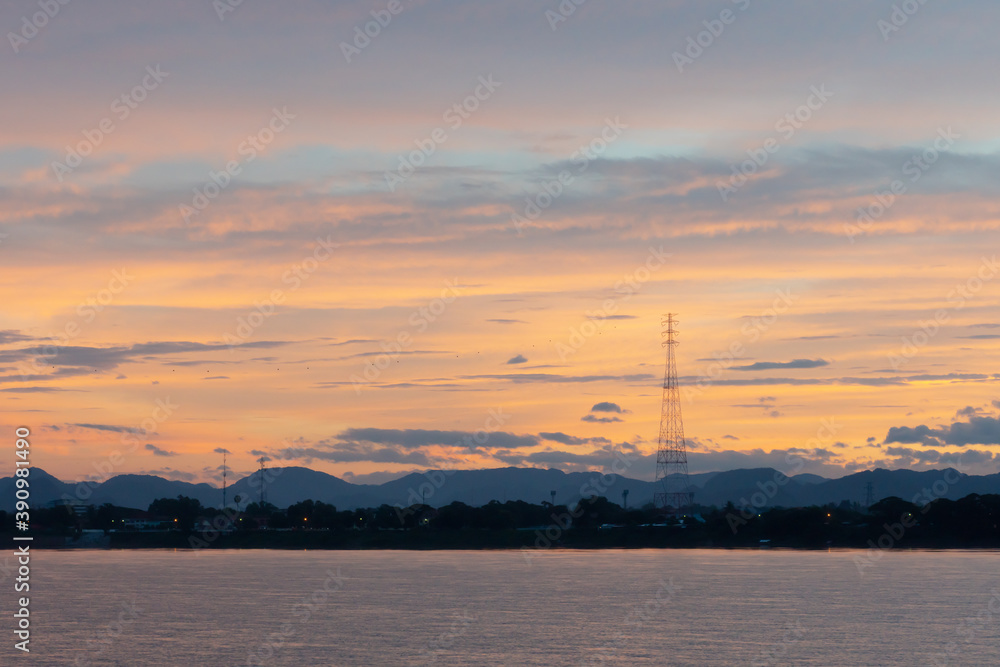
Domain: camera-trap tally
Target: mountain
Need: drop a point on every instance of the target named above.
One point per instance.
(760, 487)
(287, 486)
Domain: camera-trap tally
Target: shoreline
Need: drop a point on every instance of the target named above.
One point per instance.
(526, 541)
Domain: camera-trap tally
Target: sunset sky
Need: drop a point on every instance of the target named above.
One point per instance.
(496, 206)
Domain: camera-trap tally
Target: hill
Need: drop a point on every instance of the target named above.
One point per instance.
(760, 487)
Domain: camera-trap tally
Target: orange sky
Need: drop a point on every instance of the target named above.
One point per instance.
(258, 315)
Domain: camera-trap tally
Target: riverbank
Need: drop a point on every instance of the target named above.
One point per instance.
(613, 538)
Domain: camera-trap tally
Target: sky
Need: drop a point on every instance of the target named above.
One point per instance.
(377, 237)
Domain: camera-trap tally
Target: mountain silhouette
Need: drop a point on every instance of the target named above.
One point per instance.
(760, 487)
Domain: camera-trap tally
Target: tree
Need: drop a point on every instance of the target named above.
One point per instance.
(182, 511)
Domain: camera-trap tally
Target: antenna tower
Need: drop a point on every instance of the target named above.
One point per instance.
(674, 493)
(223, 480)
(263, 493)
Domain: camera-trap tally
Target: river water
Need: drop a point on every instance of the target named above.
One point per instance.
(559, 607)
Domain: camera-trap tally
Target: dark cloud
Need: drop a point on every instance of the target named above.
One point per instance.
(975, 431)
(353, 452)
(107, 358)
(565, 439)
(33, 390)
(607, 406)
(790, 461)
(8, 336)
(519, 359)
(521, 378)
(113, 429)
(413, 438)
(774, 365)
(170, 473)
(221, 450)
(378, 477)
(502, 321)
(159, 452)
(602, 457)
(600, 420)
(906, 457)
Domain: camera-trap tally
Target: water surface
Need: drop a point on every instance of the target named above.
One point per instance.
(656, 607)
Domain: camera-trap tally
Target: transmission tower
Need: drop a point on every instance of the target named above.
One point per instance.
(671, 457)
(869, 495)
(223, 480)
(263, 493)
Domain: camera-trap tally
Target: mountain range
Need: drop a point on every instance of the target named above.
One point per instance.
(760, 487)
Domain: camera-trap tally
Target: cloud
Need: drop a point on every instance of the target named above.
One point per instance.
(790, 461)
(519, 359)
(978, 430)
(503, 321)
(8, 336)
(909, 458)
(170, 473)
(113, 429)
(600, 458)
(159, 452)
(377, 477)
(353, 452)
(221, 450)
(33, 390)
(414, 438)
(607, 406)
(600, 420)
(570, 439)
(774, 365)
(107, 358)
